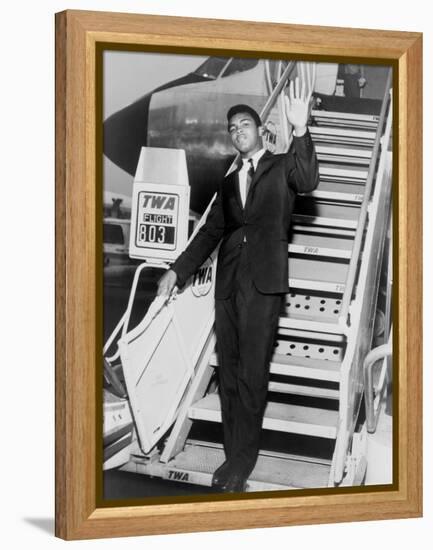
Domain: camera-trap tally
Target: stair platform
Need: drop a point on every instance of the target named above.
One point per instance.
(197, 463)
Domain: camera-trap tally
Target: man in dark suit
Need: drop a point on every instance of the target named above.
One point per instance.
(251, 217)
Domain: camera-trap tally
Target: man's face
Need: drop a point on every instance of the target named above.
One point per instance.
(245, 135)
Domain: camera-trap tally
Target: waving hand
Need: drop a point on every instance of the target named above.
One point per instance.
(298, 100)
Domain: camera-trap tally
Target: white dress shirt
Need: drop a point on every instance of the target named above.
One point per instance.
(243, 173)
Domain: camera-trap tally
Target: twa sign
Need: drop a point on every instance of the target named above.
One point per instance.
(202, 280)
(160, 205)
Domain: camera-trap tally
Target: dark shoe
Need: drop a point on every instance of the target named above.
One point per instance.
(221, 475)
(236, 483)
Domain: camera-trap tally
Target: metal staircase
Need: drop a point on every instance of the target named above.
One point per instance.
(312, 435)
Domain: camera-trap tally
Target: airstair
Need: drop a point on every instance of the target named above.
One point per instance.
(314, 434)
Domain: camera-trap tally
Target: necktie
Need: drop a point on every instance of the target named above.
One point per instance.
(250, 175)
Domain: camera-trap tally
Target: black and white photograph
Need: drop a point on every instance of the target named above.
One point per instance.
(216, 275)
(247, 274)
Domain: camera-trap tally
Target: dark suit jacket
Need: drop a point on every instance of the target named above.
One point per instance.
(265, 221)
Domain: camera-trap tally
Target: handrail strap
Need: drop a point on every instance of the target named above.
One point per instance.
(376, 354)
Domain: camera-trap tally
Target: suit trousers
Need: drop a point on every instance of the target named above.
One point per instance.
(246, 324)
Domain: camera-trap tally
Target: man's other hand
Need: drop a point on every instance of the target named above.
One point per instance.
(166, 283)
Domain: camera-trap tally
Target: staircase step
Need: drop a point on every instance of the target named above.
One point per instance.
(299, 367)
(310, 250)
(320, 245)
(338, 191)
(316, 212)
(306, 391)
(326, 209)
(343, 154)
(303, 367)
(336, 242)
(348, 174)
(314, 328)
(316, 285)
(278, 417)
(327, 134)
(345, 120)
(310, 306)
(337, 231)
(328, 222)
(318, 275)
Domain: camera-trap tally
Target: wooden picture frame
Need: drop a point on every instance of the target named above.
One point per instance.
(78, 255)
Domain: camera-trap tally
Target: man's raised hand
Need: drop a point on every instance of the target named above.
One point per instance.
(298, 100)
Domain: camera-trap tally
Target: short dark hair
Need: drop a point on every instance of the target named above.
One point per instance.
(241, 108)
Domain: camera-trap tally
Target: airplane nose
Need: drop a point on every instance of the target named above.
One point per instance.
(125, 132)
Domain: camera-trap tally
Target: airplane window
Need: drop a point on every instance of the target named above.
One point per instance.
(212, 67)
(240, 65)
(113, 234)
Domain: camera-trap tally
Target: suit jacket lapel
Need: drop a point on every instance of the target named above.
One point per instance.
(264, 164)
(233, 184)
(237, 188)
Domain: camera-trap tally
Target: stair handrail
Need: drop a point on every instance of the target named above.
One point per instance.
(122, 325)
(353, 264)
(375, 355)
(276, 91)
